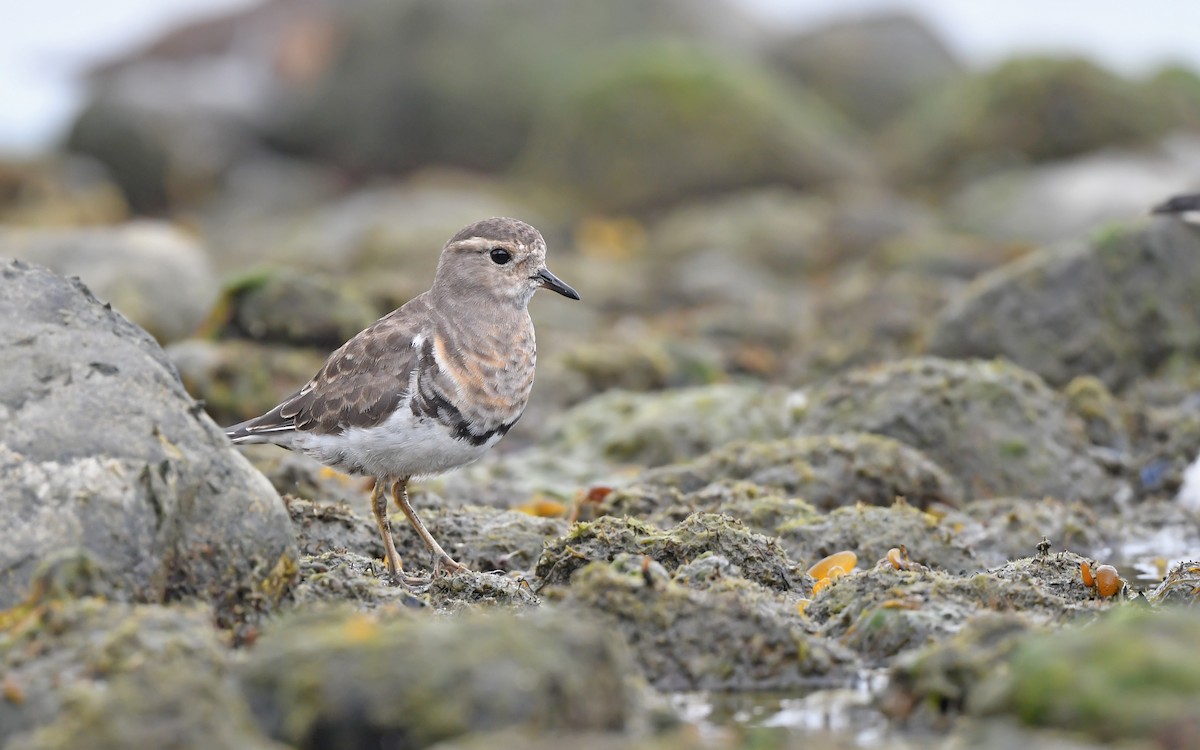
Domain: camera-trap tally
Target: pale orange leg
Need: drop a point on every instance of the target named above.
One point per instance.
(379, 508)
(443, 559)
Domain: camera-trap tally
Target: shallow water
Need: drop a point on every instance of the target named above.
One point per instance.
(846, 713)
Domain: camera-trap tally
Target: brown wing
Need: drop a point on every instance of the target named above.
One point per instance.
(360, 384)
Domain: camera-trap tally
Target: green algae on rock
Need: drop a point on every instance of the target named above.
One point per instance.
(1132, 674)
(480, 537)
(110, 675)
(361, 681)
(614, 137)
(882, 612)
(762, 510)
(1116, 307)
(998, 429)
(292, 308)
(1033, 109)
(663, 427)
(759, 558)
(931, 686)
(828, 471)
(870, 531)
(734, 635)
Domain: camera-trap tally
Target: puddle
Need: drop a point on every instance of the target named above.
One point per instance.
(846, 711)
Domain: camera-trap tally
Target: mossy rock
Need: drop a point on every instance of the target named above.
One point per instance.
(737, 636)
(759, 558)
(442, 111)
(340, 679)
(870, 531)
(1025, 110)
(291, 308)
(90, 673)
(828, 471)
(882, 612)
(998, 429)
(1117, 307)
(656, 124)
(761, 509)
(1133, 674)
(662, 427)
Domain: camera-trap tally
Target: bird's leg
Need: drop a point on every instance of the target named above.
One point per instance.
(442, 559)
(379, 508)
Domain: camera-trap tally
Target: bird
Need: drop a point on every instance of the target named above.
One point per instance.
(1186, 207)
(429, 387)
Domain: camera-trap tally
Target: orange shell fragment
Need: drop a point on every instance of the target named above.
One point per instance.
(846, 560)
(1085, 573)
(1108, 581)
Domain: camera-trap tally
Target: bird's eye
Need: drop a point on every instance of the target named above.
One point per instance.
(500, 256)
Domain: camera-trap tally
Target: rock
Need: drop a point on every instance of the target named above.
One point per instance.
(58, 192)
(87, 673)
(157, 276)
(349, 680)
(669, 426)
(870, 532)
(101, 448)
(1132, 674)
(444, 112)
(762, 510)
(1032, 109)
(345, 576)
(930, 686)
(1101, 413)
(872, 66)
(828, 471)
(1116, 307)
(771, 230)
(614, 139)
(384, 240)
(481, 538)
(1000, 529)
(734, 636)
(1064, 200)
(759, 558)
(882, 612)
(292, 308)
(996, 428)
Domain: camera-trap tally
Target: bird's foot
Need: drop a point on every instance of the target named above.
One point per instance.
(444, 565)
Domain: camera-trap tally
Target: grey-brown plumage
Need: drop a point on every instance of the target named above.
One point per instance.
(430, 386)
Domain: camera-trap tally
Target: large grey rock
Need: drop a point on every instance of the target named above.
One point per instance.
(101, 448)
(997, 429)
(871, 66)
(657, 124)
(1115, 307)
(448, 102)
(1033, 109)
(154, 274)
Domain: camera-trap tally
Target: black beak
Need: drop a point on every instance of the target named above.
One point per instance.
(553, 283)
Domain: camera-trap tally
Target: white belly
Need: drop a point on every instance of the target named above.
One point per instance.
(403, 446)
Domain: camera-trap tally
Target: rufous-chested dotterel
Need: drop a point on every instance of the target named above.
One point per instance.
(430, 386)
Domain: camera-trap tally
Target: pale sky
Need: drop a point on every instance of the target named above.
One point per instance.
(44, 44)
